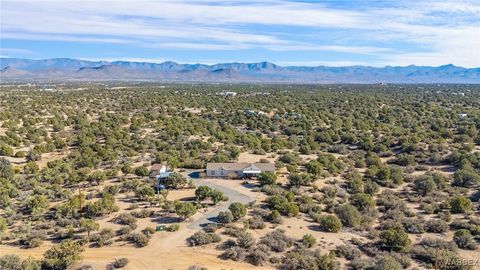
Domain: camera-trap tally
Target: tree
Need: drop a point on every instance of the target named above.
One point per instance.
(97, 177)
(142, 171)
(175, 181)
(202, 192)
(267, 178)
(185, 209)
(89, 225)
(216, 196)
(460, 204)
(330, 223)
(238, 210)
(314, 167)
(144, 192)
(395, 239)
(362, 201)
(62, 256)
(425, 185)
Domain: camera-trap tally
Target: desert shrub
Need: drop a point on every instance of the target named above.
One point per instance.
(124, 230)
(349, 215)
(362, 201)
(348, 252)
(330, 223)
(267, 178)
(272, 190)
(144, 213)
(275, 217)
(283, 205)
(395, 239)
(386, 262)
(126, 219)
(436, 226)
(172, 228)
(413, 225)
(308, 241)
(259, 255)
(460, 204)
(463, 238)
(200, 238)
(234, 253)
(142, 171)
(238, 210)
(63, 255)
(120, 263)
(466, 177)
(429, 250)
(103, 206)
(34, 239)
(255, 223)
(10, 261)
(309, 260)
(211, 227)
(245, 239)
(138, 239)
(303, 179)
(277, 241)
(103, 237)
(424, 185)
(225, 217)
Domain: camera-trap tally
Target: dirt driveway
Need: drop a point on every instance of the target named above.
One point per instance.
(234, 195)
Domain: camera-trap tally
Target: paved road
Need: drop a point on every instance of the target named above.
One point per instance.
(233, 196)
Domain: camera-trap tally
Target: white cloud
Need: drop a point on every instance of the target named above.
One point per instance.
(406, 32)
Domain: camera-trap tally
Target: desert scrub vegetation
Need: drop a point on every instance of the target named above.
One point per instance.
(397, 167)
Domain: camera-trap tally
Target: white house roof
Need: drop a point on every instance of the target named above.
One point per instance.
(256, 167)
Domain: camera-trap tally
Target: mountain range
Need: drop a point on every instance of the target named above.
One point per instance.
(66, 69)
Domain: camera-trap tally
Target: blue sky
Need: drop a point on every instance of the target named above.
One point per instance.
(333, 32)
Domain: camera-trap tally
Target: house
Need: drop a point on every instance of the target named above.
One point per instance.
(157, 169)
(159, 172)
(227, 94)
(240, 170)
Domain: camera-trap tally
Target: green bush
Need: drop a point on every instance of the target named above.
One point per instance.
(330, 223)
(349, 215)
(460, 204)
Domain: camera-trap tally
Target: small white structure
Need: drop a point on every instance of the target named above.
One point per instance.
(227, 94)
(462, 115)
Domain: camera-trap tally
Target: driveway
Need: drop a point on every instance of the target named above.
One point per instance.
(233, 196)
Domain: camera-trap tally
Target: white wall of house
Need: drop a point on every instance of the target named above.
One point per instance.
(223, 173)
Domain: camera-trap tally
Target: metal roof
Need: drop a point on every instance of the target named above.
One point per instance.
(268, 167)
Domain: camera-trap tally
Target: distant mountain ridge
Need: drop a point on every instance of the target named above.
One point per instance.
(61, 69)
